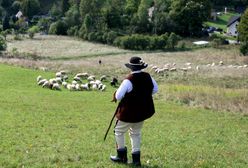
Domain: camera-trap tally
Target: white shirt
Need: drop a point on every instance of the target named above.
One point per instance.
(126, 87)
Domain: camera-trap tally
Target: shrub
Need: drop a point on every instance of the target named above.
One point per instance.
(73, 31)
(172, 41)
(58, 28)
(32, 31)
(110, 37)
(3, 44)
(244, 48)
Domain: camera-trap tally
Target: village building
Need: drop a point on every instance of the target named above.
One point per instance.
(232, 25)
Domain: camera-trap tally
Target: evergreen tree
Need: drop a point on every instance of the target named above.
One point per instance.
(6, 22)
(243, 33)
(243, 27)
(30, 7)
(65, 6)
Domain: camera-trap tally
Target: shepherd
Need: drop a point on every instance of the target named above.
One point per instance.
(135, 106)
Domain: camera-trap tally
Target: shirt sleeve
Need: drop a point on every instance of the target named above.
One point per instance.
(155, 86)
(125, 87)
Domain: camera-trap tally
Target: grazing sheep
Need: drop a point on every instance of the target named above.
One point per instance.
(197, 68)
(102, 88)
(103, 78)
(42, 81)
(63, 72)
(82, 75)
(85, 86)
(39, 78)
(221, 63)
(58, 80)
(47, 84)
(91, 78)
(56, 86)
(53, 80)
(78, 79)
(173, 69)
(74, 82)
(58, 74)
(64, 84)
(94, 86)
(65, 78)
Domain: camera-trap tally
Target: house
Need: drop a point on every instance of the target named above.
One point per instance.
(19, 14)
(232, 25)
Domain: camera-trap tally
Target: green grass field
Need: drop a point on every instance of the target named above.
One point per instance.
(221, 21)
(45, 128)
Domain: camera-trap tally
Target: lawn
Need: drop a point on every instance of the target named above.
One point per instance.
(222, 20)
(45, 128)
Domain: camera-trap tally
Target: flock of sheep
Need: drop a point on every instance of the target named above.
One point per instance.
(172, 67)
(61, 80)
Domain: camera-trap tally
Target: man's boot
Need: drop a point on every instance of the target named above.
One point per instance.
(121, 156)
(136, 158)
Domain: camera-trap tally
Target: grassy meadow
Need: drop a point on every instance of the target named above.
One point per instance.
(45, 128)
(201, 117)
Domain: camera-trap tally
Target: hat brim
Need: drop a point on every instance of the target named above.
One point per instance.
(136, 67)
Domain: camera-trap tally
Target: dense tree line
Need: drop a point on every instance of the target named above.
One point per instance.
(115, 21)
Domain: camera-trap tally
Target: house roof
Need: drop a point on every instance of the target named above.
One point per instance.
(232, 20)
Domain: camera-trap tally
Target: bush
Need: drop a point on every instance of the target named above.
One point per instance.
(172, 40)
(110, 37)
(73, 31)
(244, 48)
(32, 31)
(3, 44)
(58, 28)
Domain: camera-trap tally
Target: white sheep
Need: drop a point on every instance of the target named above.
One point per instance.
(91, 78)
(103, 78)
(59, 80)
(64, 84)
(82, 75)
(55, 86)
(74, 82)
(42, 81)
(53, 80)
(173, 69)
(78, 79)
(102, 88)
(47, 84)
(39, 78)
(58, 74)
(85, 86)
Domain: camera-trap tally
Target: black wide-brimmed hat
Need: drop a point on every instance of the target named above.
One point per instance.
(136, 63)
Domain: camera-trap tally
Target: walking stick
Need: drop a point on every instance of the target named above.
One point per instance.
(110, 123)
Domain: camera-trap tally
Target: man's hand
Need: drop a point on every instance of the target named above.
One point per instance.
(114, 99)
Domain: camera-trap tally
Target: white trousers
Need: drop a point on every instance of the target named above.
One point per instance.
(134, 133)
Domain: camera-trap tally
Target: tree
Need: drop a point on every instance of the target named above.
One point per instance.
(16, 6)
(30, 7)
(6, 22)
(65, 6)
(189, 16)
(55, 11)
(72, 16)
(243, 33)
(114, 13)
(243, 27)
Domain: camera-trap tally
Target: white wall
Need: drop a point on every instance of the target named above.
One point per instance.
(232, 29)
